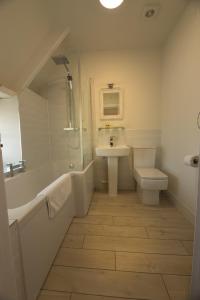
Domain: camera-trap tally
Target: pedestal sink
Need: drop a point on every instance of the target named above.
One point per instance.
(112, 154)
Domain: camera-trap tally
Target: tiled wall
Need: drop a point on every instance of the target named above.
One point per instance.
(34, 129)
(65, 145)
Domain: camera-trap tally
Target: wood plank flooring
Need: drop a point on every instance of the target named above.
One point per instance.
(123, 250)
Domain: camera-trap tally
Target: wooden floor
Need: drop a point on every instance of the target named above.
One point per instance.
(123, 250)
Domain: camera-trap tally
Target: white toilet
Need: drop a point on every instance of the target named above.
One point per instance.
(150, 181)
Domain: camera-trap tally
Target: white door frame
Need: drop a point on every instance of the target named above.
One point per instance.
(8, 289)
(195, 283)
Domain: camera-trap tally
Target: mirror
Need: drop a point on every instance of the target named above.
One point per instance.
(111, 103)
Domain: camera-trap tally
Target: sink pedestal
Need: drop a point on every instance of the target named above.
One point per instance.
(113, 154)
(112, 175)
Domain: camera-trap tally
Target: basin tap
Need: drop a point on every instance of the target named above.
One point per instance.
(11, 169)
(112, 138)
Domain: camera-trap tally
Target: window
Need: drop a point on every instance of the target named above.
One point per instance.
(10, 134)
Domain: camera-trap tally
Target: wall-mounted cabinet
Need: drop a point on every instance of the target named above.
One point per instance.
(111, 104)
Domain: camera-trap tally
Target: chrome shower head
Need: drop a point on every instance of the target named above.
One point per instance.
(63, 60)
(60, 60)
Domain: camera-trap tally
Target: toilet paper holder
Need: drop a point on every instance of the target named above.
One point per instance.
(191, 160)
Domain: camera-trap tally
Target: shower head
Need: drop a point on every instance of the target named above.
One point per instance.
(60, 60)
(63, 60)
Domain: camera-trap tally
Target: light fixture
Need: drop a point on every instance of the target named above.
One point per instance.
(151, 11)
(110, 4)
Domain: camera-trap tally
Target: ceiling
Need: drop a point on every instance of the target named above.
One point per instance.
(28, 27)
(93, 27)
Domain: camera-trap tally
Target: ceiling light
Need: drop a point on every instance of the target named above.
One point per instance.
(151, 11)
(110, 4)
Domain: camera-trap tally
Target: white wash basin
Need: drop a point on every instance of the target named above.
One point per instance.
(112, 154)
(108, 151)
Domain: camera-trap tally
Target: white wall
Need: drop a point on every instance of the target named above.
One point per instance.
(180, 106)
(138, 74)
(10, 130)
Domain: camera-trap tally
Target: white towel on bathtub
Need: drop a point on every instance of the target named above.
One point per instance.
(57, 193)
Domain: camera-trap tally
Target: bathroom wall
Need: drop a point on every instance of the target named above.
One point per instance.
(138, 74)
(66, 147)
(180, 106)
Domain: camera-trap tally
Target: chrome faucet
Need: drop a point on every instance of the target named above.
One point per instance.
(112, 139)
(11, 169)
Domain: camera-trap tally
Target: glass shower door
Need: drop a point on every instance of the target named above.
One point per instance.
(87, 134)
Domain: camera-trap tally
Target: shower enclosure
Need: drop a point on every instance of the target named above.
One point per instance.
(70, 116)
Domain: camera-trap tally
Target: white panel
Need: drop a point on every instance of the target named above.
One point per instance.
(7, 274)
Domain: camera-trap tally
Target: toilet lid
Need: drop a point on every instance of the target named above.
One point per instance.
(151, 173)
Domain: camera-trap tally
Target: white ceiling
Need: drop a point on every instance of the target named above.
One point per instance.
(94, 27)
(27, 26)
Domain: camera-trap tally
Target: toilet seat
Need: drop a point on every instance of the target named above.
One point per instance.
(151, 173)
(151, 179)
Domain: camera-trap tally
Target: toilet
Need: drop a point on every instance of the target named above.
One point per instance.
(150, 181)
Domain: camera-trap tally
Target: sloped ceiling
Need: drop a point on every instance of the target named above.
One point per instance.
(28, 28)
(26, 31)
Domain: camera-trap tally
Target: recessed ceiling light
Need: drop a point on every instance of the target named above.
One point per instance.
(151, 11)
(110, 4)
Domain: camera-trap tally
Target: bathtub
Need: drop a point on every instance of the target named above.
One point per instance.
(83, 187)
(41, 237)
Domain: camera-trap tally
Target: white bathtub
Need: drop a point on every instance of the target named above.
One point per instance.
(40, 237)
(23, 188)
(83, 187)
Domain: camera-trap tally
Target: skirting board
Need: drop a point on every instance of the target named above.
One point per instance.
(182, 208)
